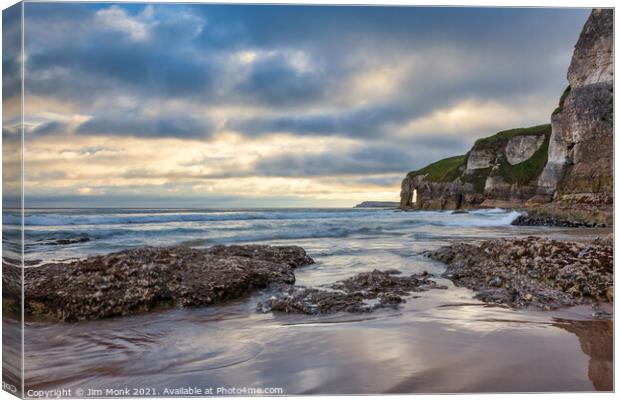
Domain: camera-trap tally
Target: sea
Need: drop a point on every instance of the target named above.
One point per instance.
(442, 341)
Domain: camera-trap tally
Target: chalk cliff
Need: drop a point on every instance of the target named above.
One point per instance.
(579, 173)
(565, 168)
(499, 171)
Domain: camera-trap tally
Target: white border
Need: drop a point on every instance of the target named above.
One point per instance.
(464, 3)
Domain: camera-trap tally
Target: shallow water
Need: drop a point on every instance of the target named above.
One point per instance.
(441, 341)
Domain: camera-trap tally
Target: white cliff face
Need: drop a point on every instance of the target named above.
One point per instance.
(556, 160)
(593, 59)
(578, 174)
(479, 159)
(580, 159)
(521, 148)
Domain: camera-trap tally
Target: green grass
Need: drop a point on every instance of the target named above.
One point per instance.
(477, 178)
(501, 138)
(445, 170)
(448, 169)
(525, 172)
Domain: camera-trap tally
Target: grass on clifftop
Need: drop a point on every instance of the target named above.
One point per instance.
(527, 171)
(448, 169)
(501, 138)
(445, 170)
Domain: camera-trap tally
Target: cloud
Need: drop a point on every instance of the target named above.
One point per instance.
(148, 127)
(11, 52)
(282, 79)
(312, 65)
(157, 59)
(380, 181)
(87, 151)
(336, 98)
(117, 19)
(48, 128)
(11, 132)
(87, 191)
(361, 161)
(362, 122)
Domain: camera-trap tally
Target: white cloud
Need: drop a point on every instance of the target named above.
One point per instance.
(301, 61)
(477, 118)
(116, 18)
(87, 191)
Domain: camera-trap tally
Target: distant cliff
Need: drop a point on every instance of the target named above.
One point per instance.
(377, 204)
(563, 168)
(499, 171)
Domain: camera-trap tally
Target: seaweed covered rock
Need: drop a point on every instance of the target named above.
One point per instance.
(365, 292)
(540, 219)
(293, 256)
(139, 280)
(531, 272)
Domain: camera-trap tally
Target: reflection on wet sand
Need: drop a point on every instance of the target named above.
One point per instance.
(421, 348)
(596, 340)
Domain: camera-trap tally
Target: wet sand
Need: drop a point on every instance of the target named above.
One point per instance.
(458, 348)
(441, 342)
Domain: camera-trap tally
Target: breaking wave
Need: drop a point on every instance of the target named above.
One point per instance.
(85, 232)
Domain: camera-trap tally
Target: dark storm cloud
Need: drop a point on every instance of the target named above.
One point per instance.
(85, 72)
(363, 122)
(187, 52)
(85, 58)
(339, 28)
(275, 82)
(368, 160)
(329, 33)
(373, 158)
(11, 50)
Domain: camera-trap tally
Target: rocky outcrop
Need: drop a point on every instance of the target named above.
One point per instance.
(139, 280)
(499, 171)
(522, 148)
(362, 293)
(437, 195)
(572, 180)
(534, 219)
(480, 159)
(532, 272)
(579, 174)
(593, 60)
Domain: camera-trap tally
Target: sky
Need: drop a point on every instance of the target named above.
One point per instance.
(139, 105)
